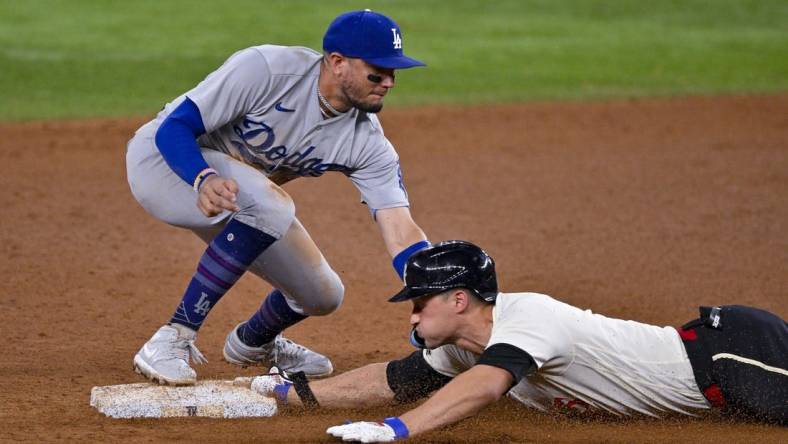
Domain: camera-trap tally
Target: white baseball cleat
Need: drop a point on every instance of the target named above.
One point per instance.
(165, 357)
(281, 352)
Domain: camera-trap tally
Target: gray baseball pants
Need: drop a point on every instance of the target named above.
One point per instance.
(293, 263)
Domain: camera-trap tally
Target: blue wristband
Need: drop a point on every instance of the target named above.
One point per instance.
(401, 258)
(399, 427)
(280, 391)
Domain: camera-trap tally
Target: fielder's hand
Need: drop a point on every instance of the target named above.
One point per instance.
(216, 195)
(386, 431)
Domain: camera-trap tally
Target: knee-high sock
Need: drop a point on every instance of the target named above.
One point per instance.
(267, 322)
(225, 260)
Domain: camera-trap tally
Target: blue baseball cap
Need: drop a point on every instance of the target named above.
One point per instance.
(369, 36)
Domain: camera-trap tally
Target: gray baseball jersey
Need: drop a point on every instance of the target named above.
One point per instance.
(263, 128)
(261, 108)
(586, 360)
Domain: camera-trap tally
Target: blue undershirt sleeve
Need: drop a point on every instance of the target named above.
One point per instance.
(177, 141)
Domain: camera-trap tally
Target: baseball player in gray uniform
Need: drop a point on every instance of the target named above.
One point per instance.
(213, 161)
(480, 344)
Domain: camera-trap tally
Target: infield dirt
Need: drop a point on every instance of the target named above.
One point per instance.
(638, 209)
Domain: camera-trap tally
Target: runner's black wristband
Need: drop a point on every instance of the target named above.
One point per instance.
(301, 386)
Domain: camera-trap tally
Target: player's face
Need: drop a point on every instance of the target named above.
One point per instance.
(432, 317)
(365, 85)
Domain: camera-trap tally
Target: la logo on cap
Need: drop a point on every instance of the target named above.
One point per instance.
(397, 39)
(369, 36)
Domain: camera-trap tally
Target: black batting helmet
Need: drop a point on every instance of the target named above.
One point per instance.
(447, 265)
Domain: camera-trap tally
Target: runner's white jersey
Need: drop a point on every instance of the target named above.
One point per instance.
(586, 360)
(261, 107)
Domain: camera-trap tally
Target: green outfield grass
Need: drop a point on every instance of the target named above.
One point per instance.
(78, 58)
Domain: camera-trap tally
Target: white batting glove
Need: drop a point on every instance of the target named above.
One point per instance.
(274, 384)
(364, 431)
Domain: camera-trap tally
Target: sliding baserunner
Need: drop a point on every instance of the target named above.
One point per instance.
(480, 344)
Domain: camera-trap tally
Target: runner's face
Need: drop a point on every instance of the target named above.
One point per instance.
(432, 316)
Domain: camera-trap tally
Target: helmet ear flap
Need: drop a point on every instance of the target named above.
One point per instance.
(416, 340)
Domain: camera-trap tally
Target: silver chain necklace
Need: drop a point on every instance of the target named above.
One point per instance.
(327, 105)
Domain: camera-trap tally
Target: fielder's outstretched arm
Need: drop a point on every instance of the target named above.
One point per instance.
(401, 235)
(398, 229)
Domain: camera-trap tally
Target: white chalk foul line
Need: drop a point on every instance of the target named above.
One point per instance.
(751, 362)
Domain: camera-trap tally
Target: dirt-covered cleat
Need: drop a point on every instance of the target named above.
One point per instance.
(281, 352)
